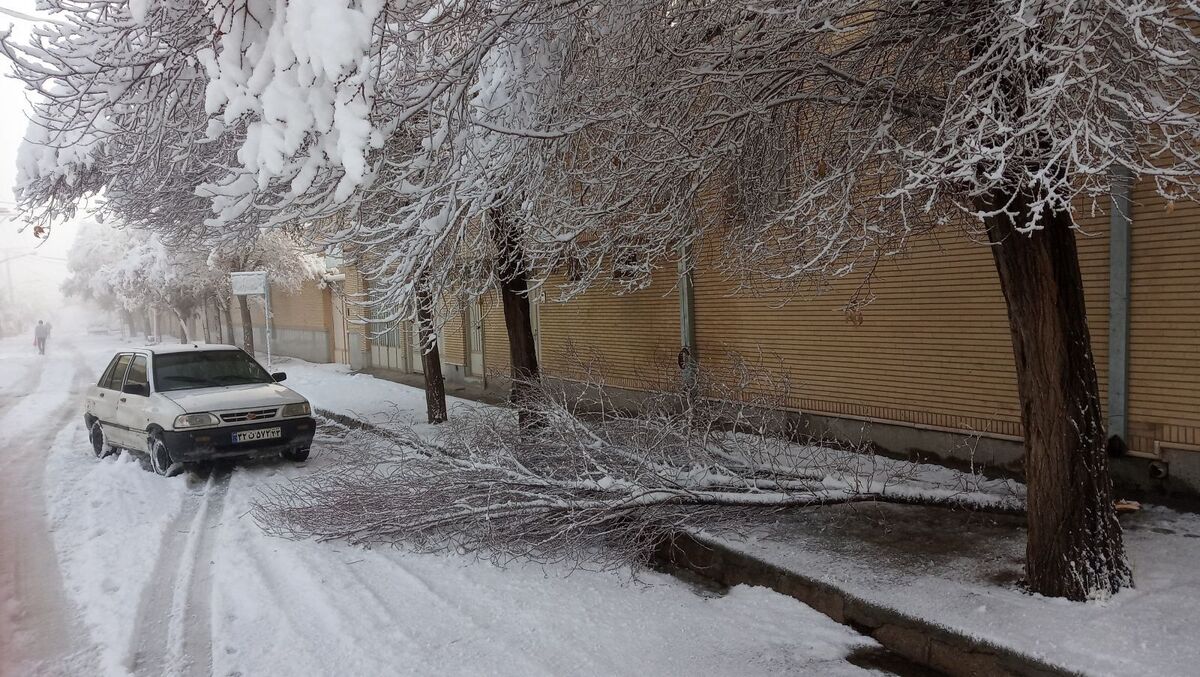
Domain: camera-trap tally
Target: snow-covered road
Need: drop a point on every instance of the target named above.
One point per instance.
(38, 397)
(108, 569)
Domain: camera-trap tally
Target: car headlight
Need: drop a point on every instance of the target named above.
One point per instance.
(196, 420)
(297, 409)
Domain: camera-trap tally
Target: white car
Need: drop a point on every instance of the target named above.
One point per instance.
(190, 403)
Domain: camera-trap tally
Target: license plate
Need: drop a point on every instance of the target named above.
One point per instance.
(256, 435)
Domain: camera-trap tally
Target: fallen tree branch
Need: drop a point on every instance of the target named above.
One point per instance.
(592, 490)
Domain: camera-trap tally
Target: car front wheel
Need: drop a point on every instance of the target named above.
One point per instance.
(160, 459)
(297, 455)
(100, 445)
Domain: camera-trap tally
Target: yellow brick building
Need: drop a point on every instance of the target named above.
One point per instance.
(927, 365)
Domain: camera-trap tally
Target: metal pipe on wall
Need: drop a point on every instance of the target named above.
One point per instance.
(1120, 225)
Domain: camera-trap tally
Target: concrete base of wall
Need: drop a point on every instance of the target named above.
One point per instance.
(355, 346)
(305, 344)
(1138, 478)
(917, 443)
(454, 374)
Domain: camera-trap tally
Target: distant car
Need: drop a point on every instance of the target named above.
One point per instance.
(183, 404)
(97, 328)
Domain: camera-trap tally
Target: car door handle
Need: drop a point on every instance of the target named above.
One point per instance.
(122, 399)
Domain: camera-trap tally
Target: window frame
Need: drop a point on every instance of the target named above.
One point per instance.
(149, 383)
(113, 376)
(106, 375)
(152, 371)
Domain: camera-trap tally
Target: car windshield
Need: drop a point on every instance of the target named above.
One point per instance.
(206, 369)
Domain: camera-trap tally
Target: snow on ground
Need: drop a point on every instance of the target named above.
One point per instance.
(962, 571)
(957, 570)
(339, 609)
(333, 387)
(173, 577)
(109, 520)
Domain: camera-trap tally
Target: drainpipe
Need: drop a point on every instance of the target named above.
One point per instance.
(1120, 224)
(688, 357)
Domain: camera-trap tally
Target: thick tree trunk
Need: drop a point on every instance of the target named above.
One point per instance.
(1075, 547)
(431, 360)
(514, 295)
(247, 325)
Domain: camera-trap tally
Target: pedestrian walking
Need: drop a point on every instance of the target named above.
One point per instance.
(40, 333)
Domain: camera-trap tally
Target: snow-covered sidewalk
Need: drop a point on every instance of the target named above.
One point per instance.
(961, 571)
(171, 576)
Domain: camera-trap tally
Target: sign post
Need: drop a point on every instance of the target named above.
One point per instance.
(255, 284)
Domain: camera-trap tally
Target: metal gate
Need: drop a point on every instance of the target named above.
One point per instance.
(475, 338)
(341, 332)
(416, 349)
(387, 346)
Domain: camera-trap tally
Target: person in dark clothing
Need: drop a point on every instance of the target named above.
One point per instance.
(40, 333)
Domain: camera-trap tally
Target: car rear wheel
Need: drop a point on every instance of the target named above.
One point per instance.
(160, 459)
(100, 445)
(296, 455)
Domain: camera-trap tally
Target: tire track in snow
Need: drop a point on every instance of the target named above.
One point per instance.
(172, 632)
(39, 628)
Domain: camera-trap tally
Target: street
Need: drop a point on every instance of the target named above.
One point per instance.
(39, 396)
(109, 569)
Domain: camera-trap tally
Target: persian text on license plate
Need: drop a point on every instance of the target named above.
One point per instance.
(256, 435)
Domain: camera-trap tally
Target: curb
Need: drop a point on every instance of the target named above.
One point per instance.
(923, 642)
(348, 421)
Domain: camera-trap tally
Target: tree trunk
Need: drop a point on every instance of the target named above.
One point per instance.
(514, 295)
(431, 360)
(247, 325)
(220, 308)
(183, 328)
(207, 324)
(228, 313)
(1075, 547)
(129, 324)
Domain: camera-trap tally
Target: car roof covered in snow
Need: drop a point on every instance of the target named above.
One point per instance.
(166, 349)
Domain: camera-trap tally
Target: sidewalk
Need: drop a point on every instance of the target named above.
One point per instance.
(938, 586)
(941, 588)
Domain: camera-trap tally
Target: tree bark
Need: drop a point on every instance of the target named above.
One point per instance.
(183, 328)
(1074, 547)
(228, 313)
(431, 360)
(204, 318)
(514, 296)
(247, 325)
(219, 307)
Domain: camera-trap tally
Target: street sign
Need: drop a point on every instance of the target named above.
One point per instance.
(249, 284)
(255, 284)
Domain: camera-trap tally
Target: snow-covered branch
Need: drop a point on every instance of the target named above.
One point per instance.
(593, 485)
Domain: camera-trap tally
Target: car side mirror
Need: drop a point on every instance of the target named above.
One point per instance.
(279, 376)
(140, 389)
